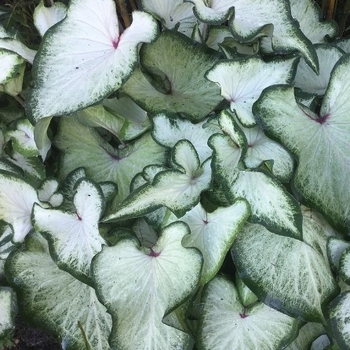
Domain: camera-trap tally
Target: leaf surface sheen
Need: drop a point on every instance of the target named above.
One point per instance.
(100, 58)
(141, 285)
(226, 324)
(74, 237)
(285, 273)
(319, 142)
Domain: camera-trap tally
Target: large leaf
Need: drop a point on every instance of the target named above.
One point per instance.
(319, 141)
(140, 285)
(74, 238)
(54, 300)
(96, 59)
(243, 80)
(213, 233)
(285, 273)
(84, 147)
(178, 189)
(172, 78)
(226, 324)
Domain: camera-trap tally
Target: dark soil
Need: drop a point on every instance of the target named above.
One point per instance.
(27, 337)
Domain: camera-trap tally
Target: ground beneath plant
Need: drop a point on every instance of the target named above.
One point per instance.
(27, 337)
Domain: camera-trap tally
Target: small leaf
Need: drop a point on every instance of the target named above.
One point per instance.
(160, 278)
(243, 80)
(285, 273)
(17, 198)
(226, 324)
(335, 249)
(45, 17)
(213, 233)
(168, 130)
(74, 238)
(8, 311)
(100, 58)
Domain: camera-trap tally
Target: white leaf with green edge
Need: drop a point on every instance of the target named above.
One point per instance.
(318, 141)
(339, 310)
(344, 266)
(17, 198)
(177, 189)
(261, 149)
(228, 149)
(216, 35)
(8, 311)
(271, 205)
(173, 14)
(213, 11)
(172, 78)
(12, 71)
(109, 190)
(6, 246)
(84, 147)
(45, 17)
(32, 167)
(17, 47)
(316, 231)
(11, 65)
(307, 80)
(307, 334)
(23, 138)
(309, 16)
(285, 273)
(135, 119)
(48, 192)
(246, 296)
(242, 81)
(100, 58)
(256, 18)
(168, 130)
(213, 233)
(54, 300)
(335, 248)
(343, 44)
(41, 138)
(141, 285)
(226, 324)
(74, 238)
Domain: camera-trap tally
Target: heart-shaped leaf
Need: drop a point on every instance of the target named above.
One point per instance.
(285, 273)
(141, 285)
(243, 80)
(172, 78)
(74, 238)
(319, 142)
(226, 324)
(100, 58)
(213, 233)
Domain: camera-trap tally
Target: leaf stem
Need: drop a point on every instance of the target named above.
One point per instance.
(124, 13)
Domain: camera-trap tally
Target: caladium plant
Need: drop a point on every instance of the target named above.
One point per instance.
(180, 183)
